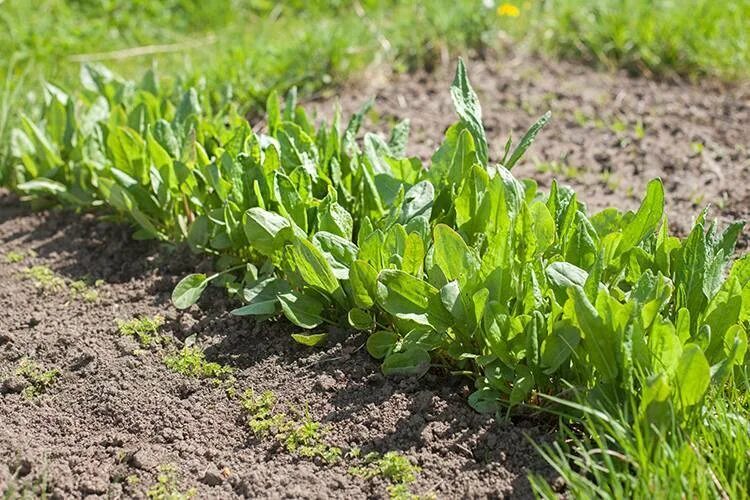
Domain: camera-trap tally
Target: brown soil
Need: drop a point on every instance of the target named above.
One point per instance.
(118, 413)
(693, 137)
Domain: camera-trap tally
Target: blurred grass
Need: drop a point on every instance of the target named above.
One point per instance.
(691, 38)
(241, 50)
(251, 45)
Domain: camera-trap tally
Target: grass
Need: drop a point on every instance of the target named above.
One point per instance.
(653, 37)
(624, 453)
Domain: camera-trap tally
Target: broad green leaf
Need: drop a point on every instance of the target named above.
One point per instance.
(302, 309)
(453, 256)
(262, 297)
(412, 362)
(360, 319)
(189, 290)
(558, 347)
(599, 341)
(314, 268)
(485, 400)
(692, 376)
(334, 218)
(410, 298)
(380, 343)
(646, 220)
(364, 280)
(399, 138)
(261, 228)
(414, 254)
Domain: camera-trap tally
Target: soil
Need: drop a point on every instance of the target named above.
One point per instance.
(610, 133)
(117, 414)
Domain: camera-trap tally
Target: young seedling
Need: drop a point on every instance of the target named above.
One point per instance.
(144, 329)
(45, 278)
(14, 257)
(394, 468)
(167, 486)
(39, 380)
(81, 289)
(191, 362)
(302, 436)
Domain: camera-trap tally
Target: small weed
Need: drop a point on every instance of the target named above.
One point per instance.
(191, 362)
(639, 130)
(559, 168)
(610, 180)
(580, 117)
(132, 480)
(167, 487)
(393, 467)
(618, 126)
(302, 436)
(45, 278)
(696, 147)
(81, 289)
(401, 492)
(39, 379)
(14, 257)
(144, 329)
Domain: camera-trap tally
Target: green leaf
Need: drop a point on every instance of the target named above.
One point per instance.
(262, 298)
(527, 140)
(467, 107)
(311, 340)
(302, 309)
(360, 319)
(189, 290)
(42, 185)
(410, 298)
(364, 280)
(314, 268)
(646, 220)
(380, 343)
(453, 256)
(261, 228)
(599, 341)
(485, 400)
(399, 138)
(334, 218)
(692, 376)
(412, 362)
(558, 347)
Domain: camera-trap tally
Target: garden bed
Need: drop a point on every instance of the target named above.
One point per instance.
(116, 415)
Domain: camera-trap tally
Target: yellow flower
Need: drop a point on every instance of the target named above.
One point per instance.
(509, 10)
